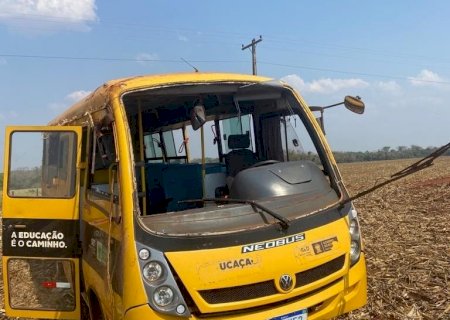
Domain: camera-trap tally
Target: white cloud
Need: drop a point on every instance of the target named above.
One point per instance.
(391, 87)
(43, 16)
(324, 86)
(77, 95)
(145, 58)
(69, 99)
(426, 78)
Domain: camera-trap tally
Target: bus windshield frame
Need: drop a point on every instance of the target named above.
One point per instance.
(160, 122)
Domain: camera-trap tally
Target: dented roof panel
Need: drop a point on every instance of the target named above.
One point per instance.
(100, 98)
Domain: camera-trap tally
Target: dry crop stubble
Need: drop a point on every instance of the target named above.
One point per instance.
(406, 233)
(407, 239)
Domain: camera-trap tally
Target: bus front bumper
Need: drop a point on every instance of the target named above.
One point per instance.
(341, 297)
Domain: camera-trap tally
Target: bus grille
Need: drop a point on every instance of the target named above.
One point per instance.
(314, 274)
(267, 288)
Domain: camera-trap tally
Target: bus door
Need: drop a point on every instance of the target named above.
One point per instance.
(40, 229)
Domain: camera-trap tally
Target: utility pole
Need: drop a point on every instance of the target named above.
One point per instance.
(253, 50)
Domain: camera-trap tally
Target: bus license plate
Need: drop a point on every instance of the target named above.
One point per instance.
(297, 315)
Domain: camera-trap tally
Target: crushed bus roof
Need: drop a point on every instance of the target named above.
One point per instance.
(99, 98)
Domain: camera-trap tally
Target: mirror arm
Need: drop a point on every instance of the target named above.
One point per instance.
(333, 105)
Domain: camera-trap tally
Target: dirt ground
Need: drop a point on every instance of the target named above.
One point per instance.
(406, 233)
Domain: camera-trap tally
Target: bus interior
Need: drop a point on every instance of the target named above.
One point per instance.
(223, 141)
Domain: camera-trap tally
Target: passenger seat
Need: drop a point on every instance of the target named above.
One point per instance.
(239, 158)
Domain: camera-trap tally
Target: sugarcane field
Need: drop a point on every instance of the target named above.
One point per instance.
(406, 240)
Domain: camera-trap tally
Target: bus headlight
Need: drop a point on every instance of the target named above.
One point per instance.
(354, 229)
(355, 237)
(355, 251)
(152, 271)
(163, 291)
(163, 296)
(144, 254)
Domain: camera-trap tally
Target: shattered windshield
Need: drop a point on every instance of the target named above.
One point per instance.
(219, 158)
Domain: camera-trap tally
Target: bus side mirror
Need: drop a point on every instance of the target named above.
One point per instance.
(354, 104)
(198, 117)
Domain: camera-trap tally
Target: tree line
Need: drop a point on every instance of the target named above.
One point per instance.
(385, 153)
(25, 177)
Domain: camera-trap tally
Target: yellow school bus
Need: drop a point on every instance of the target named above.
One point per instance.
(195, 196)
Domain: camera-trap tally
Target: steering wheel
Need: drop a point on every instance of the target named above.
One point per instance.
(263, 163)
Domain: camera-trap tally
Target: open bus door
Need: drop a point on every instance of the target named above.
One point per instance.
(41, 222)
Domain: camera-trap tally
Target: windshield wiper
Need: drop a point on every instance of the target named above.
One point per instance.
(284, 222)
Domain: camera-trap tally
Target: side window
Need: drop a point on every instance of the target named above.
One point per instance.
(194, 143)
(167, 146)
(237, 126)
(103, 186)
(105, 147)
(42, 164)
(179, 147)
(153, 147)
(297, 143)
(104, 167)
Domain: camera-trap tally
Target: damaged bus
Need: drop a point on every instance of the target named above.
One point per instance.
(182, 196)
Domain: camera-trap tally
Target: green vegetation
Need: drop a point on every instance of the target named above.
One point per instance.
(31, 178)
(385, 153)
(207, 160)
(24, 181)
(25, 178)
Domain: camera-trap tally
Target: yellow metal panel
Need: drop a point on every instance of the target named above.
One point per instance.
(133, 288)
(229, 267)
(331, 298)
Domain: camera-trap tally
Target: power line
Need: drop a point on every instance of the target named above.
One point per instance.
(106, 59)
(371, 51)
(48, 57)
(375, 75)
(26, 56)
(100, 22)
(271, 38)
(441, 65)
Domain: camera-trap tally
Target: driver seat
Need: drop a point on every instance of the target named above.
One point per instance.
(239, 158)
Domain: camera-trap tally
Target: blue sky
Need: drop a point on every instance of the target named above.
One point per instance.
(394, 54)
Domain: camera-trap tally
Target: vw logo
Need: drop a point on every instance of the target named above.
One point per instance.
(286, 282)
